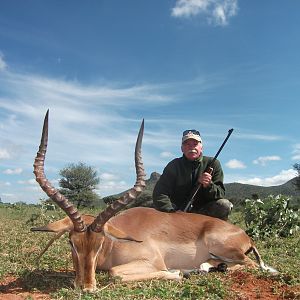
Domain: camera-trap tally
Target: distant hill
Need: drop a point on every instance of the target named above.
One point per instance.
(236, 192)
(244, 191)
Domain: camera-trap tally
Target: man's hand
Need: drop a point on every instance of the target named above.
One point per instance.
(205, 179)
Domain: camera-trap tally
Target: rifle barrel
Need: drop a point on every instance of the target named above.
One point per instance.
(223, 144)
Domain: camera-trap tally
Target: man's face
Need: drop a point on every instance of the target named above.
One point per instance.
(191, 149)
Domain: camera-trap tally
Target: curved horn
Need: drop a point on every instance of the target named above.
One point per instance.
(129, 196)
(44, 183)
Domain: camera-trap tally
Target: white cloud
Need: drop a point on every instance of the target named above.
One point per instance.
(261, 137)
(281, 178)
(166, 154)
(12, 150)
(4, 154)
(217, 11)
(8, 195)
(79, 115)
(13, 171)
(3, 64)
(187, 8)
(223, 11)
(113, 187)
(262, 160)
(108, 177)
(33, 188)
(235, 164)
(29, 181)
(111, 184)
(72, 93)
(296, 152)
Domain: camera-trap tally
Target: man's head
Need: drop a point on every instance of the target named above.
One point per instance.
(191, 145)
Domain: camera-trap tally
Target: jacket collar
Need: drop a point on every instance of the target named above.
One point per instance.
(193, 162)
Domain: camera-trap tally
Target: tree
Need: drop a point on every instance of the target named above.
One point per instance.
(297, 168)
(78, 183)
(109, 199)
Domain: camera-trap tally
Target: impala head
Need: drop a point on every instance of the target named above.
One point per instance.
(86, 233)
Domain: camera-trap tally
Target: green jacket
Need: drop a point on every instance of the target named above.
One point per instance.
(174, 187)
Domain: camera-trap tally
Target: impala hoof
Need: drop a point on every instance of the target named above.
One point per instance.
(222, 267)
(186, 274)
(89, 289)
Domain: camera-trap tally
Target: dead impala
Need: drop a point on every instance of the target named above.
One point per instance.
(142, 243)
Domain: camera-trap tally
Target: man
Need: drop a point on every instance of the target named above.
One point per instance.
(175, 186)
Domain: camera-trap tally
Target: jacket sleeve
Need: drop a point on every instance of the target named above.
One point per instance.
(216, 190)
(163, 190)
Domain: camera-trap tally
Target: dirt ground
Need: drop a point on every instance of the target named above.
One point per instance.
(12, 288)
(245, 286)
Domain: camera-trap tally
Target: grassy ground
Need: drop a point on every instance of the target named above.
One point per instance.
(52, 278)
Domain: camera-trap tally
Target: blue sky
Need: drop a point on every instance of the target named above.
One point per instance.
(102, 66)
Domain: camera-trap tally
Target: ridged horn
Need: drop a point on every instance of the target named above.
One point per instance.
(130, 195)
(44, 183)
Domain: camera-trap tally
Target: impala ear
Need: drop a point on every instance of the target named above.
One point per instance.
(115, 233)
(64, 224)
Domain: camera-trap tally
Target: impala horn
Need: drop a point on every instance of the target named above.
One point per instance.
(130, 195)
(45, 184)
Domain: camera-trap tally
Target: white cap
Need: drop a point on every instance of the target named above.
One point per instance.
(191, 134)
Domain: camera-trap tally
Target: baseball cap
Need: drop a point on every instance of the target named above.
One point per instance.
(191, 134)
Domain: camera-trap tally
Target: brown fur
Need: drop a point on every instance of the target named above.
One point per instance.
(143, 243)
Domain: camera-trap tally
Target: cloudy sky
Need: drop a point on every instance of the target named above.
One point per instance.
(101, 66)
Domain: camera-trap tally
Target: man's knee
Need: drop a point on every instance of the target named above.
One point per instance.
(225, 204)
(220, 208)
(223, 208)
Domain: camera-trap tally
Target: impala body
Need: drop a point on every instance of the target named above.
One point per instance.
(142, 243)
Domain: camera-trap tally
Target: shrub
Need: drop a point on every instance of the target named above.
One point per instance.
(271, 217)
(42, 216)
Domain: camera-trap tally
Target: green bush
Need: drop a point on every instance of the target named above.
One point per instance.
(43, 215)
(271, 217)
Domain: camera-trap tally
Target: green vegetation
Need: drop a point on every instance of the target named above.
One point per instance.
(54, 273)
(297, 181)
(271, 217)
(78, 183)
(198, 287)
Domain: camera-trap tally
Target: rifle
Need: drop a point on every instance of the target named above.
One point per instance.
(209, 169)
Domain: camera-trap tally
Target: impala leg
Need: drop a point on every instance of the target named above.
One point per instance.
(230, 266)
(142, 270)
(204, 267)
